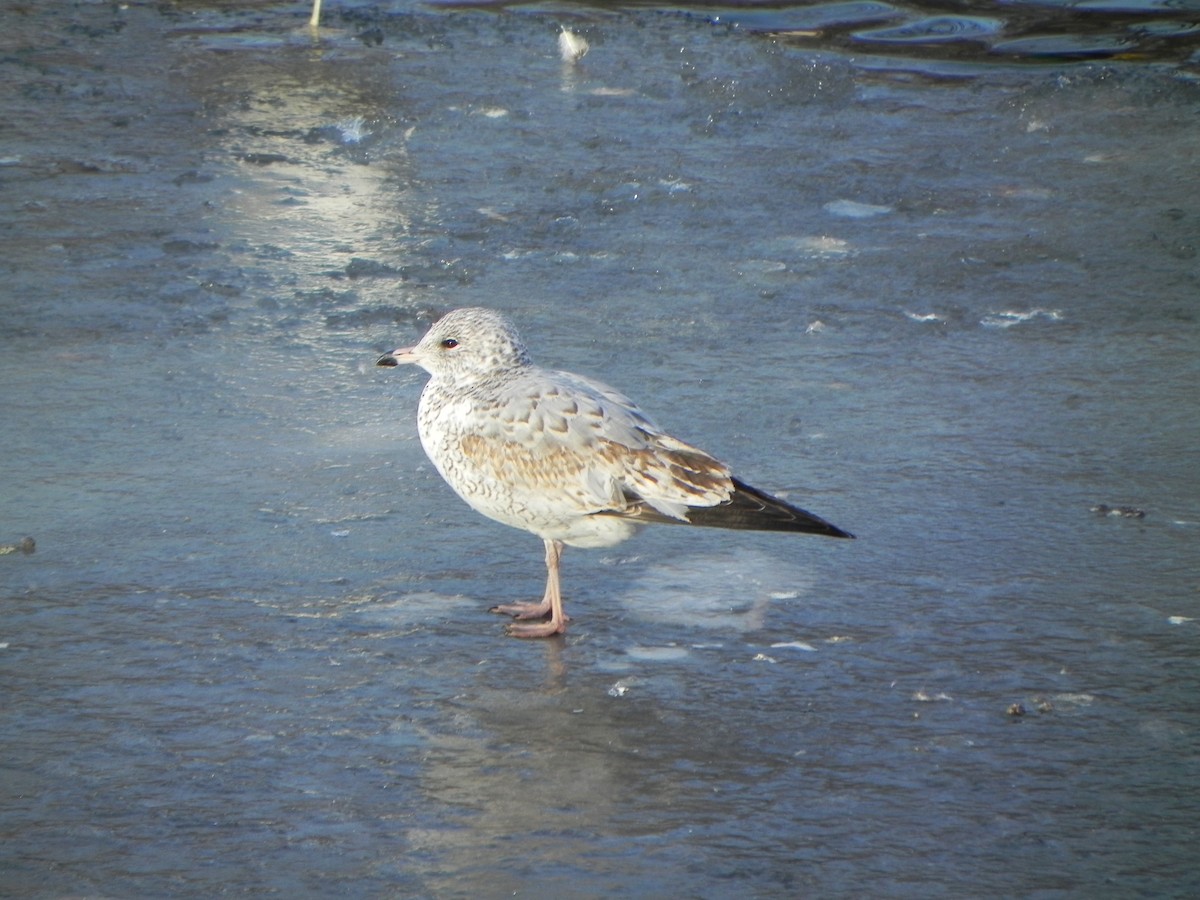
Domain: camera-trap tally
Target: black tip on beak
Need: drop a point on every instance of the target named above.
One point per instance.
(386, 360)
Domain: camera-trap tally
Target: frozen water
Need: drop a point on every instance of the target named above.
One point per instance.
(251, 651)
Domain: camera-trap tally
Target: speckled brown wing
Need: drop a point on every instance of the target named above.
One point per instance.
(562, 456)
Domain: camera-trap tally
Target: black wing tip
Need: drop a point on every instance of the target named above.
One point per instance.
(793, 517)
(748, 509)
(831, 530)
(818, 526)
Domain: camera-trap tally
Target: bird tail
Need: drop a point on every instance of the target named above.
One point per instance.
(750, 508)
(747, 508)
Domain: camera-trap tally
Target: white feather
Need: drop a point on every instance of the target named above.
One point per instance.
(571, 47)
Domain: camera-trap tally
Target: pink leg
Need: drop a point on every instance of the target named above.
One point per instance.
(551, 602)
(524, 610)
(541, 609)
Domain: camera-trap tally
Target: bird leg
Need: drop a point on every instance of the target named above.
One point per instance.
(523, 610)
(551, 603)
(542, 608)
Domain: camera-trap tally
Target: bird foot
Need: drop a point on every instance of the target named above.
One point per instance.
(549, 628)
(525, 610)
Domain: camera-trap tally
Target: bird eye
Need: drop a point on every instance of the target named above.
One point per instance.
(449, 343)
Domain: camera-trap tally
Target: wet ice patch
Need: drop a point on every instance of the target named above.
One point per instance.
(794, 645)
(760, 267)
(1009, 318)
(1119, 512)
(674, 185)
(418, 606)
(925, 697)
(612, 92)
(657, 654)
(1067, 701)
(852, 209)
(822, 247)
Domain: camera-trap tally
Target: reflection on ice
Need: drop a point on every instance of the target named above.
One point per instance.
(730, 591)
(416, 607)
(935, 29)
(352, 130)
(1071, 45)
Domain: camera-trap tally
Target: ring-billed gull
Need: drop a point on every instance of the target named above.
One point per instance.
(564, 457)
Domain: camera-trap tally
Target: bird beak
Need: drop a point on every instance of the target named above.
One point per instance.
(400, 357)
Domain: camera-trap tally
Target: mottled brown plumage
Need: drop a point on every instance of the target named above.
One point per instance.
(566, 458)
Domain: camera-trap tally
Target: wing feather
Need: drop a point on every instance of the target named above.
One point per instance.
(573, 446)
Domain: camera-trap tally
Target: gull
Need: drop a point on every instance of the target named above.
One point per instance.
(565, 457)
